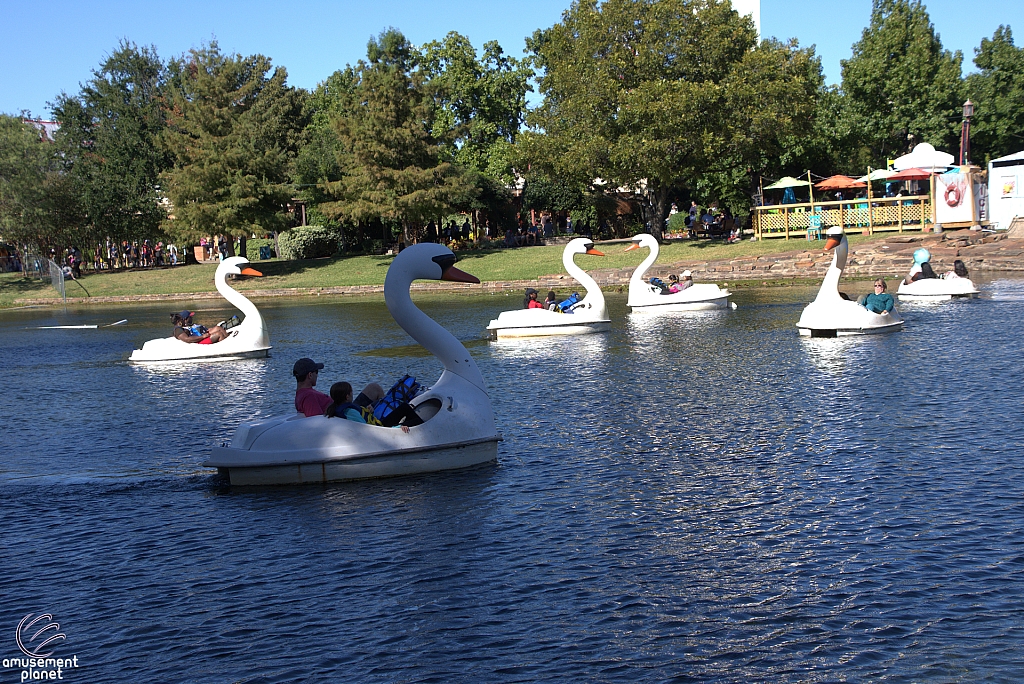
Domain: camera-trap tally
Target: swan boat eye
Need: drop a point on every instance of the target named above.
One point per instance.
(445, 261)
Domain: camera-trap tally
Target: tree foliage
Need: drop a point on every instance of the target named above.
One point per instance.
(901, 82)
(391, 160)
(662, 95)
(233, 129)
(998, 93)
(29, 170)
(108, 140)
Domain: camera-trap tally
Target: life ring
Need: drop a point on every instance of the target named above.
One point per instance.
(953, 196)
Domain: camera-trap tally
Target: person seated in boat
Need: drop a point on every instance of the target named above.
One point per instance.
(959, 271)
(551, 303)
(922, 268)
(677, 285)
(530, 301)
(879, 301)
(187, 331)
(308, 401)
(360, 409)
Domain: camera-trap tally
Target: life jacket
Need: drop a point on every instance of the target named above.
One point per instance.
(566, 305)
(660, 284)
(197, 330)
(365, 411)
(403, 391)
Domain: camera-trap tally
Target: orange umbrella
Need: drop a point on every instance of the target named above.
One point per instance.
(839, 183)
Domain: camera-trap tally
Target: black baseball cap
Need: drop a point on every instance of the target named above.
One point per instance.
(183, 315)
(304, 366)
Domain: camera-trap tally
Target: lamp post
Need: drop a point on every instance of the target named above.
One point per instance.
(965, 134)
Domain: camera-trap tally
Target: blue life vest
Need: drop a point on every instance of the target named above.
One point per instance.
(660, 284)
(403, 391)
(566, 306)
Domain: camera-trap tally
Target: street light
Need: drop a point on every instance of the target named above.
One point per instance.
(965, 134)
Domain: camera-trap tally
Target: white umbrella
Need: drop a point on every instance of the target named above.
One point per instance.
(924, 157)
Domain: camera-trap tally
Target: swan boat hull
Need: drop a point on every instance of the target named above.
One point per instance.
(172, 350)
(544, 323)
(458, 431)
(937, 290)
(842, 318)
(704, 297)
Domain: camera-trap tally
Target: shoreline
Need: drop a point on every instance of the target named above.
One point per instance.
(888, 257)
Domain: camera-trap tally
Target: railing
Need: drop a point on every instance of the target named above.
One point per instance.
(57, 279)
(885, 214)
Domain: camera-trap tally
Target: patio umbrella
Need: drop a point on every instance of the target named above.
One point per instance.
(839, 182)
(910, 175)
(925, 157)
(786, 182)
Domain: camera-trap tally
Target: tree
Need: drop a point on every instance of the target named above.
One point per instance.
(108, 138)
(901, 83)
(661, 95)
(232, 130)
(390, 158)
(997, 91)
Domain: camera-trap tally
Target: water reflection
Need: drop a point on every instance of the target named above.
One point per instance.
(567, 348)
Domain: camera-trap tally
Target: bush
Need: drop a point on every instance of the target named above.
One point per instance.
(677, 223)
(308, 242)
(252, 248)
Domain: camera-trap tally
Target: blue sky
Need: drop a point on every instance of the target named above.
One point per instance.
(50, 48)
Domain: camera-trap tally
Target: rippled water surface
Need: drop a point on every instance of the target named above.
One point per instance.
(686, 498)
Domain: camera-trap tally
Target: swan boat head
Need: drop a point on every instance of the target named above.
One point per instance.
(593, 302)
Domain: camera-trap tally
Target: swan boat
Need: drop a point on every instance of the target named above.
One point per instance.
(830, 315)
(249, 339)
(644, 297)
(937, 289)
(589, 315)
(458, 428)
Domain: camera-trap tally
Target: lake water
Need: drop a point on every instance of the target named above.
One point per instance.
(692, 498)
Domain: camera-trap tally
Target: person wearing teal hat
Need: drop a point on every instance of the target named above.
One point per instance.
(921, 268)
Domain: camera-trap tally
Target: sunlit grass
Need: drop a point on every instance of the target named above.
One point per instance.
(524, 263)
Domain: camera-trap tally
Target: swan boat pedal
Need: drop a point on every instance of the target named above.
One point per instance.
(589, 315)
(458, 429)
(644, 297)
(937, 289)
(829, 315)
(249, 339)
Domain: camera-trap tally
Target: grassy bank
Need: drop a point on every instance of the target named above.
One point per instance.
(525, 263)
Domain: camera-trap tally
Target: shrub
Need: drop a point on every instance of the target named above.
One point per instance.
(252, 248)
(308, 242)
(677, 223)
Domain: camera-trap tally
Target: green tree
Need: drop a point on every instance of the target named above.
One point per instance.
(662, 95)
(391, 161)
(233, 129)
(108, 138)
(903, 87)
(997, 91)
(318, 160)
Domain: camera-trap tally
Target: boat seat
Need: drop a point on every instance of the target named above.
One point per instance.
(428, 409)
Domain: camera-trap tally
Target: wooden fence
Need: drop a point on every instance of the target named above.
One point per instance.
(888, 214)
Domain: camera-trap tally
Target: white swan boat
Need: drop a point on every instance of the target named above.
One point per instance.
(829, 315)
(590, 315)
(644, 297)
(249, 339)
(458, 428)
(937, 289)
